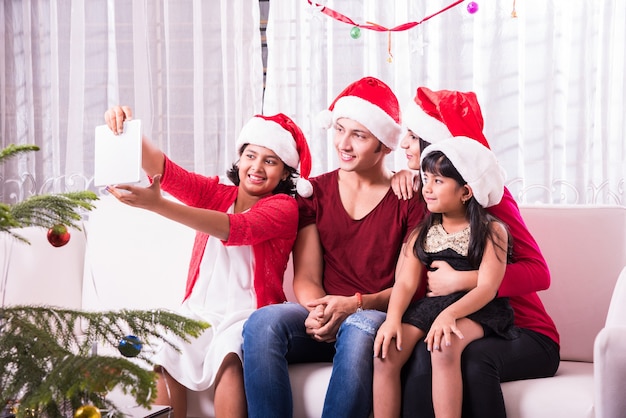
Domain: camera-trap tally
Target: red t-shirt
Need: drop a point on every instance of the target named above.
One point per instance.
(359, 255)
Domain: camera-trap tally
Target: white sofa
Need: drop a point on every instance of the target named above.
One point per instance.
(131, 258)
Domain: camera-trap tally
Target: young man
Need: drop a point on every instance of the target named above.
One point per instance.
(351, 232)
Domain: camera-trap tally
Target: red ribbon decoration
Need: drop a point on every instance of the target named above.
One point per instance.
(374, 26)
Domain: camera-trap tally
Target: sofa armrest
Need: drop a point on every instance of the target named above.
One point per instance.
(609, 356)
(617, 308)
(609, 371)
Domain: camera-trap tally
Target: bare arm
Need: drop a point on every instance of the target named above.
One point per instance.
(408, 275)
(212, 222)
(308, 266)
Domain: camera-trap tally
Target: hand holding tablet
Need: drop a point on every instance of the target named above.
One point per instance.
(118, 157)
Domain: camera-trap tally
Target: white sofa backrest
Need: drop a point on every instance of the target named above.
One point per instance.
(585, 247)
(38, 273)
(135, 259)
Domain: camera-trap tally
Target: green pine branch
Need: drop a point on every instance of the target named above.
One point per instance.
(45, 210)
(13, 150)
(46, 355)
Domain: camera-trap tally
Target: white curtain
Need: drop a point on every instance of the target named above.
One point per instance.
(192, 71)
(550, 81)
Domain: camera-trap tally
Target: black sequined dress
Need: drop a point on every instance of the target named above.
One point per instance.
(496, 317)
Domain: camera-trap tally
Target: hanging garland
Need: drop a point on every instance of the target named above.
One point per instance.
(355, 32)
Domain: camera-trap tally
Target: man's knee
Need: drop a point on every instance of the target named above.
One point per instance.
(365, 323)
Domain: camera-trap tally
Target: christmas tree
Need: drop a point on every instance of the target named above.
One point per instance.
(47, 357)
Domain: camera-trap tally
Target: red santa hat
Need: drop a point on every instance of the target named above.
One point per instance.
(280, 134)
(437, 115)
(370, 102)
(477, 165)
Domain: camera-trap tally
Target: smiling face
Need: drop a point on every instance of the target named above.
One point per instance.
(357, 148)
(260, 170)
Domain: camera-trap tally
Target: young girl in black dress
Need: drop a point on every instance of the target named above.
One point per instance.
(460, 178)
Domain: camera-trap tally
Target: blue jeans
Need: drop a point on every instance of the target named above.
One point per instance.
(274, 336)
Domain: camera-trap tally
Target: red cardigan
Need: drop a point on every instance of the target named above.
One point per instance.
(528, 273)
(270, 226)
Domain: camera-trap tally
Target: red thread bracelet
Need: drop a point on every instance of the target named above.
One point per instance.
(359, 302)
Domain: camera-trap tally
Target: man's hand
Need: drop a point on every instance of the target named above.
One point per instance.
(329, 312)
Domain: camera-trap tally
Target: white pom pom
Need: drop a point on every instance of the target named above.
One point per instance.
(324, 119)
(304, 187)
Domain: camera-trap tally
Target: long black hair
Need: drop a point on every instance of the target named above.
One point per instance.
(287, 186)
(479, 219)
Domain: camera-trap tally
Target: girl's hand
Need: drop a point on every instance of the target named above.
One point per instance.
(404, 183)
(387, 332)
(141, 197)
(115, 117)
(441, 331)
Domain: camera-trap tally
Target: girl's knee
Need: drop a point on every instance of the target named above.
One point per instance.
(390, 366)
(445, 358)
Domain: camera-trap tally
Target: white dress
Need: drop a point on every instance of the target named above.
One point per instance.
(224, 297)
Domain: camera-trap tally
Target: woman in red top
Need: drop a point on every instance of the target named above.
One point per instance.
(431, 117)
(244, 237)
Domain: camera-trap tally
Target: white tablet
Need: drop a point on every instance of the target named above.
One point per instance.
(118, 157)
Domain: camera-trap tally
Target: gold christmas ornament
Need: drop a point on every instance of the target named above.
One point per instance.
(87, 411)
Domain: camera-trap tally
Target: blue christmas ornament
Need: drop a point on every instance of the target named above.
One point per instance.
(130, 346)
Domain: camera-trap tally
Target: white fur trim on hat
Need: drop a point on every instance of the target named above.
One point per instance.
(423, 125)
(304, 187)
(375, 119)
(477, 165)
(324, 119)
(271, 135)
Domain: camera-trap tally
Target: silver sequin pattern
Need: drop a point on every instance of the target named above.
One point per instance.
(438, 240)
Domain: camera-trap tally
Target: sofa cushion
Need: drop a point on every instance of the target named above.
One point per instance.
(135, 259)
(568, 394)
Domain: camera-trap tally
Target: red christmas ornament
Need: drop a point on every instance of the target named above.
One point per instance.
(58, 235)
